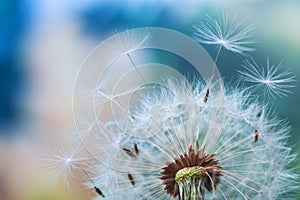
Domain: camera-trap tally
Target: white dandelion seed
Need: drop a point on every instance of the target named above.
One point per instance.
(230, 34)
(191, 154)
(63, 161)
(275, 80)
(131, 41)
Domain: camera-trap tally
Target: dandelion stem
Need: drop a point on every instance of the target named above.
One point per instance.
(212, 74)
(89, 178)
(86, 174)
(264, 102)
(131, 60)
(214, 65)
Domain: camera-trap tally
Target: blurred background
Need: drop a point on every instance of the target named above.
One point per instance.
(43, 42)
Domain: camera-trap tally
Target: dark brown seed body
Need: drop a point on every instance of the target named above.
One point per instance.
(99, 192)
(255, 135)
(130, 177)
(206, 95)
(136, 149)
(129, 152)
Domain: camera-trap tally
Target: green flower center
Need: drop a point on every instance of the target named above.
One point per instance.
(188, 172)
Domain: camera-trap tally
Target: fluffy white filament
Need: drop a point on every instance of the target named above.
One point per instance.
(230, 34)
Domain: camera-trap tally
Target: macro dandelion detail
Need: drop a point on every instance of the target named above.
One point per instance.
(192, 154)
(175, 138)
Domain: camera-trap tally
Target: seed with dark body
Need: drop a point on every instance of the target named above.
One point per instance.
(129, 152)
(136, 149)
(130, 177)
(206, 95)
(99, 192)
(255, 135)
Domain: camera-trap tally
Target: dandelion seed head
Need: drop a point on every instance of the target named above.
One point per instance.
(217, 155)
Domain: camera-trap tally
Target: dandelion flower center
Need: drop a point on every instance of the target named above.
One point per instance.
(190, 174)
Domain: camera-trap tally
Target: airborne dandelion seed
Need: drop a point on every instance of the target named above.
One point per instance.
(63, 160)
(230, 34)
(276, 80)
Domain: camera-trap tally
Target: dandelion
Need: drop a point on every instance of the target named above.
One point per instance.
(272, 78)
(192, 154)
(230, 34)
(187, 140)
